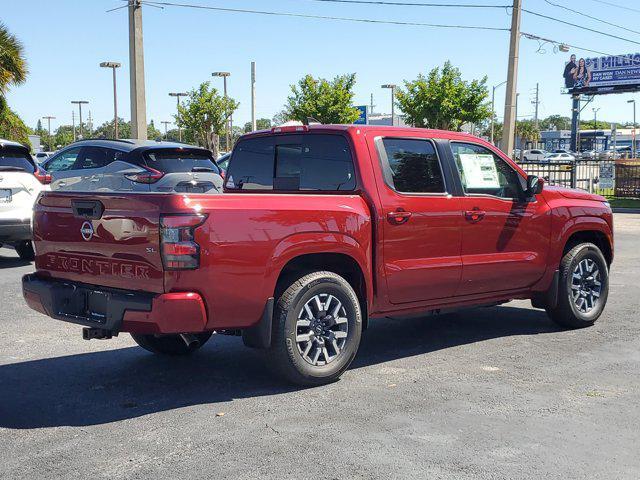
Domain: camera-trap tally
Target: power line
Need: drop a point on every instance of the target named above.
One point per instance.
(417, 4)
(531, 36)
(591, 17)
(579, 26)
(611, 4)
(320, 17)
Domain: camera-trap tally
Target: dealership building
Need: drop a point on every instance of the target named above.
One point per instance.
(587, 139)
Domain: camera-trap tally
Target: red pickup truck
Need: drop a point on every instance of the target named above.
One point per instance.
(319, 229)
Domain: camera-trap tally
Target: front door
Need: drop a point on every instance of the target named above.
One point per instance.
(505, 236)
(421, 221)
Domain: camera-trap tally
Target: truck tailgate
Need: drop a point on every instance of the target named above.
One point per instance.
(104, 239)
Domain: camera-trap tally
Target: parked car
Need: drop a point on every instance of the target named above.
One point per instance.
(610, 154)
(132, 165)
(41, 157)
(589, 155)
(223, 161)
(560, 157)
(533, 155)
(21, 180)
(320, 229)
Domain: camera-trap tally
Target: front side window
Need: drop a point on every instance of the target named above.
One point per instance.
(308, 162)
(63, 161)
(411, 165)
(484, 172)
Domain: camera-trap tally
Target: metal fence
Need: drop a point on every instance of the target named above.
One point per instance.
(620, 178)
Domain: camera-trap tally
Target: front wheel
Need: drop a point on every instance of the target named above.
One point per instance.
(583, 287)
(181, 344)
(316, 329)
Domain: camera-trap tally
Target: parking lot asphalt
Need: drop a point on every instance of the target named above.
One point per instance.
(489, 393)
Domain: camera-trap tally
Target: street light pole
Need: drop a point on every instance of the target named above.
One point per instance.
(493, 107)
(254, 125)
(80, 103)
(509, 127)
(48, 119)
(178, 95)
(229, 123)
(113, 66)
(392, 87)
(633, 148)
(165, 123)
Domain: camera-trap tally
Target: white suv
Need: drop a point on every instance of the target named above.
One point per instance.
(20, 183)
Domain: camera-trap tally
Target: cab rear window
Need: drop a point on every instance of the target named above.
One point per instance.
(180, 162)
(311, 162)
(15, 161)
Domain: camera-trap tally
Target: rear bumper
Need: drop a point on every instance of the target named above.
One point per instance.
(115, 310)
(14, 230)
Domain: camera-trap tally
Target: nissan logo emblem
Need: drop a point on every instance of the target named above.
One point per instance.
(86, 230)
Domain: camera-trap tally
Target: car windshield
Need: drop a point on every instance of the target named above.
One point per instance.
(177, 161)
(15, 161)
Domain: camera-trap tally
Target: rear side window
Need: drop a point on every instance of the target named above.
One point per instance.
(96, 157)
(293, 163)
(15, 161)
(180, 162)
(411, 165)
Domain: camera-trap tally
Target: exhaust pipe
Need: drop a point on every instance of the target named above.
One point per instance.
(190, 340)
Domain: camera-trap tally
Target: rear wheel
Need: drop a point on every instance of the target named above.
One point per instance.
(316, 329)
(583, 287)
(181, 344)
(25, 250)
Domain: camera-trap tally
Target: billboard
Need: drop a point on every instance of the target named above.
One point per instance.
(600, 75)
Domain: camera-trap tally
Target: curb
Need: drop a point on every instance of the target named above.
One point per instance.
(626, 210)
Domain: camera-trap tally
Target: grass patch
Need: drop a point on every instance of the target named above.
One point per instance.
(624, 202)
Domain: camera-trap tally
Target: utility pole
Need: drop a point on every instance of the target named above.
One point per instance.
(79, 103)
(392, 87)
(372, 106)
(229, 123)
(165, 123)
(493, 107)
(512, 80)
(90, 123)
(136, 72)
(73, 122)
(536, 102)
(113, 66)
(49, 118)
(178, 95)
(633, 136)
(254, 124)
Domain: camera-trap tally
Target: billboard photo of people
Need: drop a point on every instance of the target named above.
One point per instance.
(612, 74)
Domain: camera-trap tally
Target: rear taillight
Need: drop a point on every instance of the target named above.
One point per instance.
(42, 176)
(148, 175)
(177, 241)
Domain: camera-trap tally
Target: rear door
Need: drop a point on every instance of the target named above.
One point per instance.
(110, 240)
(90, 166)
(421, 220)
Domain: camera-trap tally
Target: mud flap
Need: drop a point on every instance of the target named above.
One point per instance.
(548, 299)
(259, 336)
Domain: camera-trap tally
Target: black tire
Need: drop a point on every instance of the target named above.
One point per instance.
(285, 354)
(25, 250)
(170, 344)
(525, 159)
(567, 313)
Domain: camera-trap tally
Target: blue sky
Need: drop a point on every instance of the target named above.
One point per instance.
(65, 40)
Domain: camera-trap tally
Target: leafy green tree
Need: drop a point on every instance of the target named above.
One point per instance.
(555, 122)
(13, 128)
(63, 136)
(107, 129)
(323, 100)
(204, 114)
(280, 118)
(261, 124)
(152, 132)
(443, 100)
(13, 66)
(528, 131)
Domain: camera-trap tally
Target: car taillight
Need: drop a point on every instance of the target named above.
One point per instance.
(177, 242)
(148, 175)
(42, 176)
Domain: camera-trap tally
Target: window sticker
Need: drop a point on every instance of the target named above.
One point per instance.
(479, 170)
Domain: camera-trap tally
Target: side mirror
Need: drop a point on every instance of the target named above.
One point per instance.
(535, 185)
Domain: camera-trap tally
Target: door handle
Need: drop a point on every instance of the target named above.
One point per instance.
(398, 217)
(94, 179)
(475, 215)
(62, 183)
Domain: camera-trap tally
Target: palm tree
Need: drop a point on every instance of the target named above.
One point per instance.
(13, 66)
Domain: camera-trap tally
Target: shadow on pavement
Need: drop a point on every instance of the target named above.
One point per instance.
(102, 387)
(8, 259)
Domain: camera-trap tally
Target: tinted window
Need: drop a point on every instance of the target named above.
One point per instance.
(172, 162)
(296, 162)
(63, 161)
(15, 161)
(482, 171)
(96, 157)
(411, 165)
